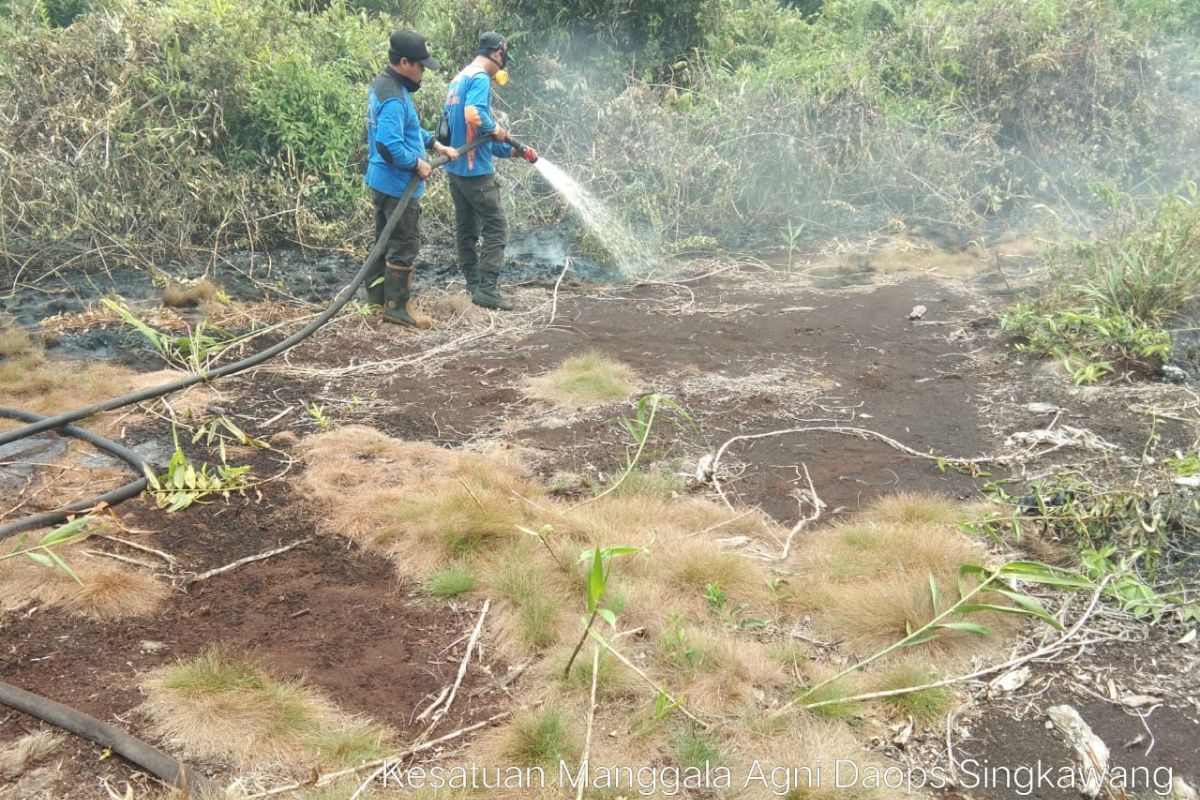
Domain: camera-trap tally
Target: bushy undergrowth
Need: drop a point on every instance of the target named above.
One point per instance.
(146, 129)
(1113, 295)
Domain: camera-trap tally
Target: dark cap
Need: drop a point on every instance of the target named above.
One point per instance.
(489, 42)
(411, 45)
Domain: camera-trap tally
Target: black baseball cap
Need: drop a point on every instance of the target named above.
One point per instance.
(489, 42)
(411, 45)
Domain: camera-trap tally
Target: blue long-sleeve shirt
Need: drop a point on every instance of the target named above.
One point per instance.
(395, 138)
(469, 110)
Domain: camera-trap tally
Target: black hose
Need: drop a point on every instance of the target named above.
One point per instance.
(339, 301)
(39, 423)
(118, 495)
(167, 769)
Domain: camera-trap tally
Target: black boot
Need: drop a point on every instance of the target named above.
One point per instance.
(374, 284)
(399, 309)
(472, 277)
(488, 293)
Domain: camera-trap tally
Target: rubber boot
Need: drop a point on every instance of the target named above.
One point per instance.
(398, 308)
(488, 293)
(472, 277)
(375, 294)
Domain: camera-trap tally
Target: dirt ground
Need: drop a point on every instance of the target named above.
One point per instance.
(747, 347)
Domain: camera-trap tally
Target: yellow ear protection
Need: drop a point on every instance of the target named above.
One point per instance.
(501, 76)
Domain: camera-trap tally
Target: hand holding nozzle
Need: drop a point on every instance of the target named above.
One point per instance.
(527, 153)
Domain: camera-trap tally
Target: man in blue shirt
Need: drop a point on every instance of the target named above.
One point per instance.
(473, 185)
(396, 144)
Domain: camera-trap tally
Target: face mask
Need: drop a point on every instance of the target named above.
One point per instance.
(408, 83)
(501, 77)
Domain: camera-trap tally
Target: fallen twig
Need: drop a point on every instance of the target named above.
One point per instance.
(587, 739)
(170, 559)
(676, 703)
(554, 296)
(462, 671)
(861, 433)
(125, 559)
(243, 561)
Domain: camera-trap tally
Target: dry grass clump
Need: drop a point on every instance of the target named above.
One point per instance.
(587, 380)
(179, 295)
(451, 306)
(29, 381)
(924, 705)
(14, 341)
(536, 612)
(221, 706)
(912, 508)
(18, 756)
(108, 590)
(868, 582)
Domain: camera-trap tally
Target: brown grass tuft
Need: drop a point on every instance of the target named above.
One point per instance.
(220, 706)
(15, 342)
(451, 305)
(178, 295)
(108, 591)
(867, 581)
(807, 755)
(905, 508)
(17, 757)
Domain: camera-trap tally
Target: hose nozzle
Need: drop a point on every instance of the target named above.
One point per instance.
(525, 152)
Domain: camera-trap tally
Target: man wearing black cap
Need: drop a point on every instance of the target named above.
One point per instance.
(473, 185)
(396, 144)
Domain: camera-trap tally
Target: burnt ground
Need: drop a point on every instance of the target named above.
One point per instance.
(746, 348)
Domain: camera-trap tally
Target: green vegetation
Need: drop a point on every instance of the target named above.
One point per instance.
(152, 129)
(541, 738)
(451, 581)
(1113, 295)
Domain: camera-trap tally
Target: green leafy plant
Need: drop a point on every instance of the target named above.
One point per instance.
(543, 536)
(1087, 342)
(43, 552)
(601, 559)
(639, 427)
(791, 237)
(1130, 591)
(183, 484)
(193, 351)
(317, 412)
(718, 603)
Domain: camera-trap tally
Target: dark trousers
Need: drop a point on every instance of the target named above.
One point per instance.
(478, 213)
(405, 241)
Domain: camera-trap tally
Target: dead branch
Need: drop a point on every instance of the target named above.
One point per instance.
(677, 703)
(587, 739)
(861, 433)
(243, 561)
(462, 671)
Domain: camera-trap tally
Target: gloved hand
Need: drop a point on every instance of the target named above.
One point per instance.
(529, 154)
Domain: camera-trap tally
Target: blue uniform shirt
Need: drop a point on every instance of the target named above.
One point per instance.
(469, 109)
(395, 138)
